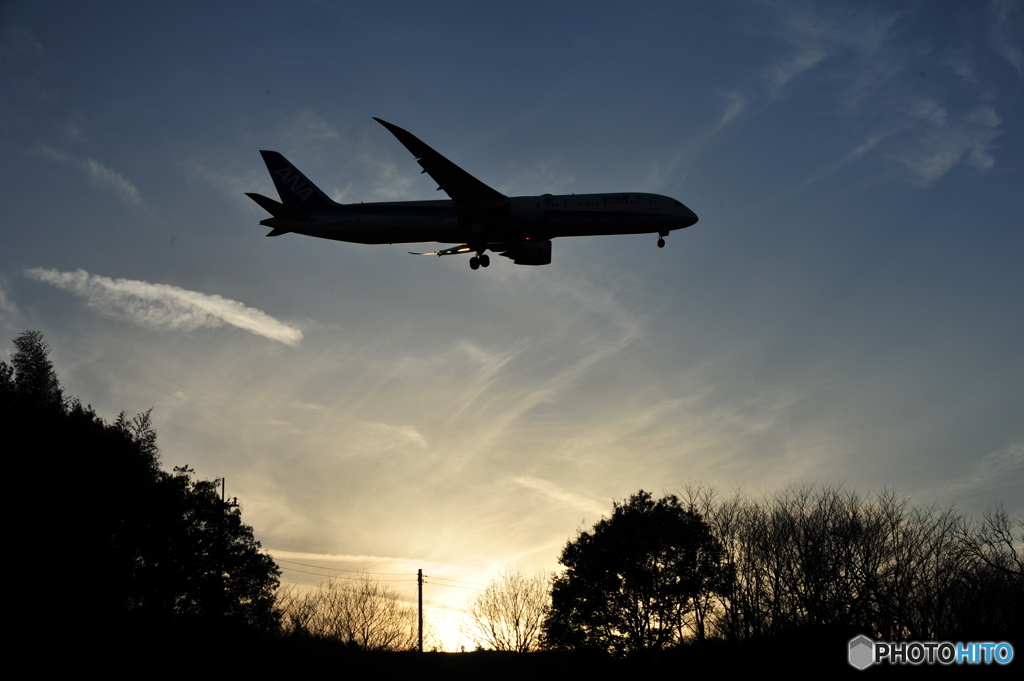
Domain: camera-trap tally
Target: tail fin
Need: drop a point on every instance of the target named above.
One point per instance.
(295, 188)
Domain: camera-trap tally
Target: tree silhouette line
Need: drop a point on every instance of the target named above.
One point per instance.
(155, 548)
(657, 574)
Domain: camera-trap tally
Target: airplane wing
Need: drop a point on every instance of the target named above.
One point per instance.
(468, 193)
(446, 251)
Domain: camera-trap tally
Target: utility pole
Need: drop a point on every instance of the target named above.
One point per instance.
(419, 584)
(221, 517)
(222, 520)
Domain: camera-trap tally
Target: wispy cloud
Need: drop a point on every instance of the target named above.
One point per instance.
(535, 177)
(999, 465)
(807, 58)
(163, 306)
(846, 47)
(1008, 21)
(925, 138)
(735, 105)
(101, 175)
(663, 169)
(7, 305)
(232, 181)
(860, 53)
(375, 438)
(309, 128)
(499, 404)
(382, 568)
(818, 33)
(365, 562)
(18, 43)
(563, 496)
(106, 177)
(941, 142)
(390, 181)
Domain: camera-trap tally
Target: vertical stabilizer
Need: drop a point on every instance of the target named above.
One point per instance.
(295, 189)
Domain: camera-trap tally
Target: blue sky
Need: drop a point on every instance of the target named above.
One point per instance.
(847, 310)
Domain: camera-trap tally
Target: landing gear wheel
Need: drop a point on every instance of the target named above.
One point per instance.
(661, 243)
(485, 260)
(474, 263)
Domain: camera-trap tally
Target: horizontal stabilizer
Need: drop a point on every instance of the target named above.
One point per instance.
(278, 210)
(278, 232)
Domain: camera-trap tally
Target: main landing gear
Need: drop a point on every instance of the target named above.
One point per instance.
(661, 239)
(478, 261)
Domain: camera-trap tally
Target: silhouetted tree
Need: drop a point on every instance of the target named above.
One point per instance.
(712, 613)
(630, 583)
(6, 384)
(997, 542)
(991, 603)
(34, 378)
(358, 611)
(201, 565)
(145, 546)
(822, 557)
(29, 380)
(509, 613)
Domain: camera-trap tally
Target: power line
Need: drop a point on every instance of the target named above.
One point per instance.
(354, 579)
(305, 572)
(448, 579)
(321, 567)
(456, 586)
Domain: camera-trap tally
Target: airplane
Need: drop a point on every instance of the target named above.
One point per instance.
(476, 218)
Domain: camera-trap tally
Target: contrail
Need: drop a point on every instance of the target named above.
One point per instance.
(163, 306)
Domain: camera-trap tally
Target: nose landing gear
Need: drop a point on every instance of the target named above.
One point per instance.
(478, 261)
(661, 239)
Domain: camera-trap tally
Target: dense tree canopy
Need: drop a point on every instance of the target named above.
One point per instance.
(632, 583)
(138, 544)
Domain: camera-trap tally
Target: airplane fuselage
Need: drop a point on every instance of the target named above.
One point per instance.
(525, 218)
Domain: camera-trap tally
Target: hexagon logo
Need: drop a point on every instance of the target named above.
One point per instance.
(862, 652)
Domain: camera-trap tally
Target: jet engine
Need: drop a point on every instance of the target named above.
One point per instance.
(530, 253)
